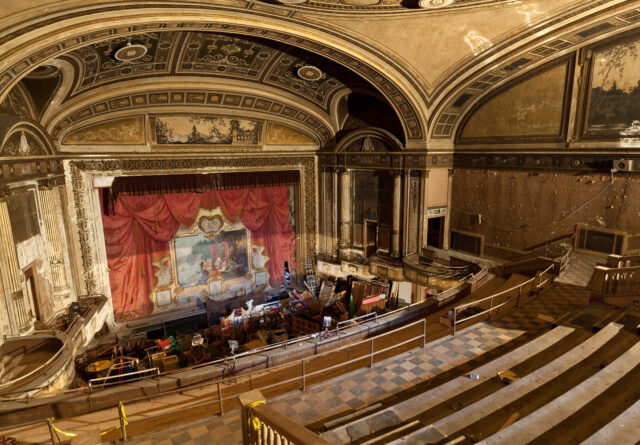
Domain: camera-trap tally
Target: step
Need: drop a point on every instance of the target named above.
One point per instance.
(475, 412)
(623, 430)
(562, 407)
(412, 407)
(351, 416)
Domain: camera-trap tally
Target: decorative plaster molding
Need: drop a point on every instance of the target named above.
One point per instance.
(140, 167)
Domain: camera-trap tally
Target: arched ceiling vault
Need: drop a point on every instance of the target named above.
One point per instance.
(53, 37)
(185, 94)
(520, 59)
(66, 32)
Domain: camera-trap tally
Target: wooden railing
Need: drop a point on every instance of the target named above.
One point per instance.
(618, 283)
(221, 396)
(535, 284)
(262, 425)
(616, 261)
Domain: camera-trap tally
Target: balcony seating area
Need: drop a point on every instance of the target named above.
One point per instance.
(567, 383)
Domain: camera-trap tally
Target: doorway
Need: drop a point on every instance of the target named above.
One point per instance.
(32, 295)
(435, 232)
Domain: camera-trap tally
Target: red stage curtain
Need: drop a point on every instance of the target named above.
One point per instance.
(139, 232)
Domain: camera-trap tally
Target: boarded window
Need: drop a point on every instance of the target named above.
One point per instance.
(23, 215)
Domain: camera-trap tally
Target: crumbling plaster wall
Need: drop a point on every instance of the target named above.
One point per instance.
(33, 252)
(520, 209)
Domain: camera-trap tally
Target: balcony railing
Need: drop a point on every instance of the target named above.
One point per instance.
(618, 283)
(262, 425)
(500, 299)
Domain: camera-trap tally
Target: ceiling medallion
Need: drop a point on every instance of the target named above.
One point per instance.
(130, 52)
(309, 72)
(292, 2)
(434, 4)
(361, 2)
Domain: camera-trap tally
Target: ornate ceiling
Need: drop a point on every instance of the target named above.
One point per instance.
(199, 54)
(180, 53)
(171, 61)
(387, 6)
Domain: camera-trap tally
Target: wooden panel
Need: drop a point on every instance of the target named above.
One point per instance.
(397, 337)
(271, 376)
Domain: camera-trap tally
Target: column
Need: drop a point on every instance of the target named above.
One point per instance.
(447, 219)
(345, 210)
(49, 205)
(335, 230)
(397, 213)
(16, 304)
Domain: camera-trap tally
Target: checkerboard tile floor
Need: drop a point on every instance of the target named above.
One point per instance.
(350, 392)
(580, 269)
(208, 431)
(390, 377)
(370, 385)
(556, 301)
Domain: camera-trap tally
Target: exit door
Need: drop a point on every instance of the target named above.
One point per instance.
(435, 232)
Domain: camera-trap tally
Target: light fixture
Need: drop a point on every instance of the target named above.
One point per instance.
(309, 72)
(130, 52)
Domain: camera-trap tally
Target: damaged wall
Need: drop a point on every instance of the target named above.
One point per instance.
(521, 209)
(32, 253)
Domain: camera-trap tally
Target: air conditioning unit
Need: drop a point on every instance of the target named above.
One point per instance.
(623, 165)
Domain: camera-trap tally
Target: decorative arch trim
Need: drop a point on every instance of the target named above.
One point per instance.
(20, 138)
(391, 142)
(77, 29)
(460, 98)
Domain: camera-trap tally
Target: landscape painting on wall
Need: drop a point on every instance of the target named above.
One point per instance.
(205, 130)
(201, 259)
(614, 96)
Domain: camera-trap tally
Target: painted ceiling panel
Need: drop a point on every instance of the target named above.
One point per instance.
(210, 55)
(531, 108)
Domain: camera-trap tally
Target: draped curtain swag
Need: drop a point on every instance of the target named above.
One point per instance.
(162, 184)
(138, 233)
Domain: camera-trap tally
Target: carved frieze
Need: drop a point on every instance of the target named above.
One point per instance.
(130, 130)
(215, 100)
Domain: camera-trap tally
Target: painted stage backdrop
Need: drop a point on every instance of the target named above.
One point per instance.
(172, 251)
(614, 99)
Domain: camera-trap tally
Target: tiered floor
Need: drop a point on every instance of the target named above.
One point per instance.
(425, 395)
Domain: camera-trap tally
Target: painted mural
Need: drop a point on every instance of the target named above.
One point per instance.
(128, 130)
(614, 96)
(278, 134)
(205, 130)
(530, 108)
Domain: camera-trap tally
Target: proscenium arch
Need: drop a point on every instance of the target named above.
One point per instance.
(39, 45)
(324, 130)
